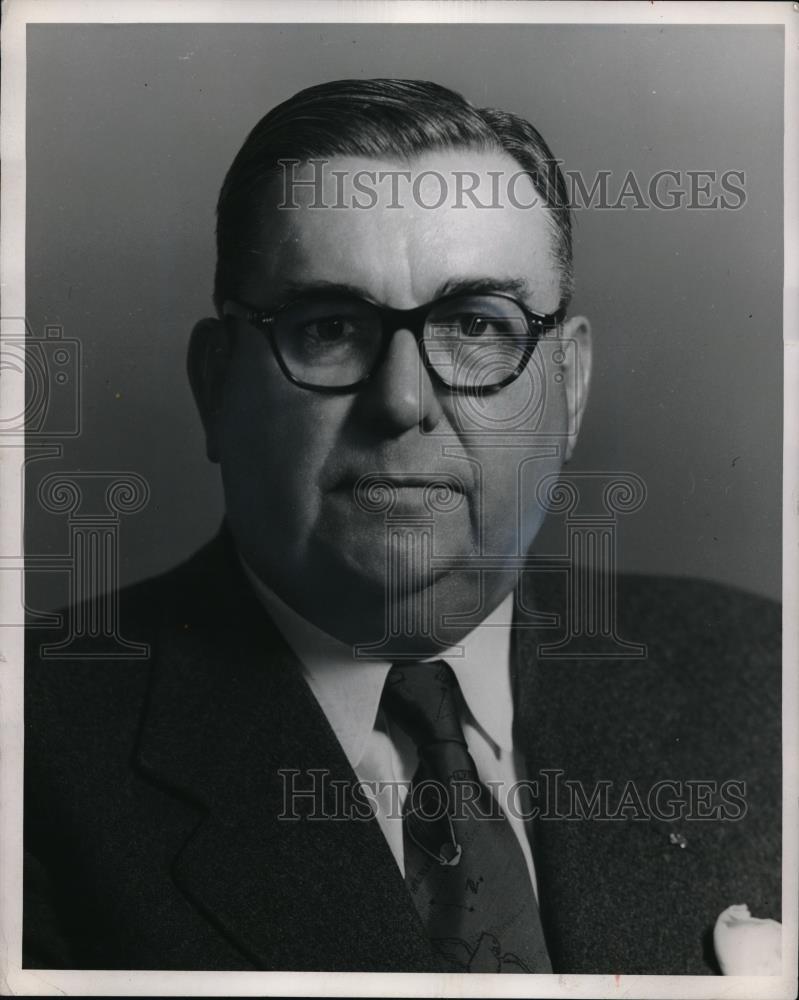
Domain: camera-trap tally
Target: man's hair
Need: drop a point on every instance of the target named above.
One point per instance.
(385, 119)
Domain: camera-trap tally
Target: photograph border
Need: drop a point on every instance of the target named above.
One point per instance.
(17, 14)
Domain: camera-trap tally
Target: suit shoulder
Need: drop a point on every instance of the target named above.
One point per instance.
(717, 632)
(86, 680)
(689, 643)
(699, 603)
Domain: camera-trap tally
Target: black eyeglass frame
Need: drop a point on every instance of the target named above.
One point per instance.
(391, 320)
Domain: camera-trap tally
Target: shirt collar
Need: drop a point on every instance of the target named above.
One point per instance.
(349, 690)
(483, 671)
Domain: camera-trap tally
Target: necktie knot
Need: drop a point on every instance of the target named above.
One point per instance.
(422, 698)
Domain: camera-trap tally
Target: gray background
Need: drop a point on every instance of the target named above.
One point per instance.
(131, 129)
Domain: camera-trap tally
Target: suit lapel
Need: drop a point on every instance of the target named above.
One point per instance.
(233, 727)
(617, 895)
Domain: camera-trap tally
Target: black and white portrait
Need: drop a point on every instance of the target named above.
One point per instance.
(393, 516)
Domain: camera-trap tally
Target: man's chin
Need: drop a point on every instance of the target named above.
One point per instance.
(363, 566)
(397, 629)
(377, 550)
(363, 600)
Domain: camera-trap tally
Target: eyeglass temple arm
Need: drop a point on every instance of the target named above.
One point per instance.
(240, 310)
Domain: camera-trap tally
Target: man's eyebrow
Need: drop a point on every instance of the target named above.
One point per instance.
(517, 287)
(481, 285)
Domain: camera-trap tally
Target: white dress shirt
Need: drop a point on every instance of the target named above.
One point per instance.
(349, 693)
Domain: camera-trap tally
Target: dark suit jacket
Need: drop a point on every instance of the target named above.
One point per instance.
(153, 793)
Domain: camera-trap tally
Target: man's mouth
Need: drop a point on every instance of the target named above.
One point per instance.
(355, 482)
(383, 492)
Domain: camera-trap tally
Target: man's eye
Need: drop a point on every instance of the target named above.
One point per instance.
(480, 326)
(329, 330)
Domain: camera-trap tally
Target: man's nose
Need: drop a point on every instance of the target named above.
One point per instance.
(401, 395)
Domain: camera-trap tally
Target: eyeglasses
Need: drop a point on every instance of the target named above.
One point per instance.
(334, 342)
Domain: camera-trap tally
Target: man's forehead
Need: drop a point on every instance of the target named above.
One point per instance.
(424, 172)
(402, 229)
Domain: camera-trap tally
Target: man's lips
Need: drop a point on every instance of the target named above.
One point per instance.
(388, 493)
(351, 482)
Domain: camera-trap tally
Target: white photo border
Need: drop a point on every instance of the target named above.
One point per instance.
(17, 14)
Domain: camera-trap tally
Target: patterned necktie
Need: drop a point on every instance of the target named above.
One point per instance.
(463, 864)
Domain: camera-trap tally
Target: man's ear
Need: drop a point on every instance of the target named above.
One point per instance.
(208, 362)
(576, 371)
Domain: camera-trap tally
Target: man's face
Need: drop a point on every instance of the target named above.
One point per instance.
(290, 456)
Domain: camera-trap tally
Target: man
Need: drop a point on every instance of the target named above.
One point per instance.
(349, 748)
